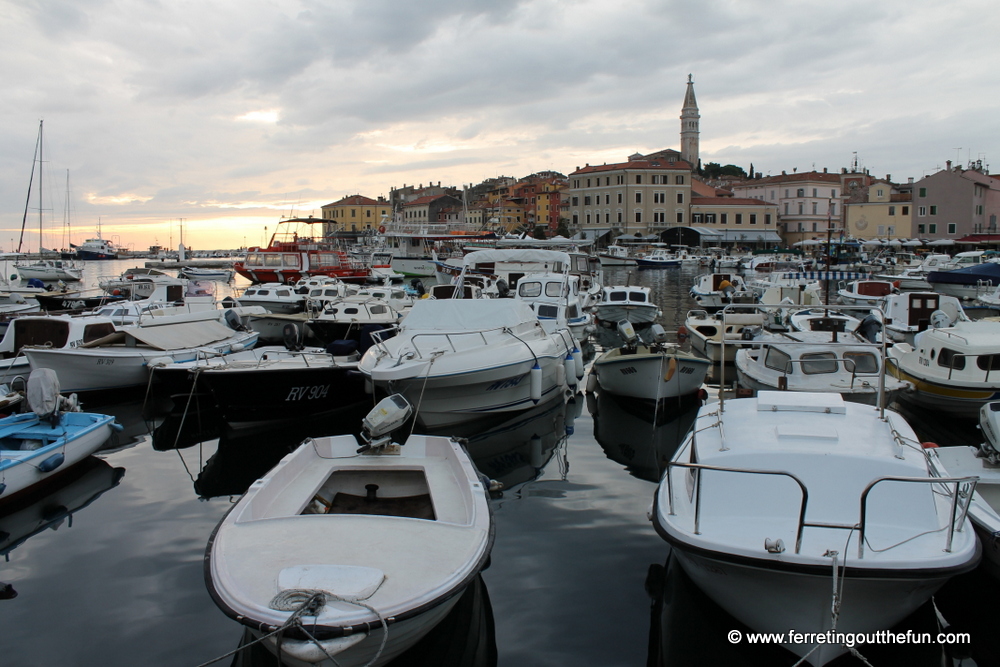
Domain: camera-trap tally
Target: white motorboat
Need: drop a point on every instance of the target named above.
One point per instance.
(54, 331)
(649, 373)
(38, 445)
(348, 556)
(969, 282)
(206, 273)
(984, 463)
(909, 313)
(955, 369)
(707, 331)
(459, 359)
(279, 298)
(122, 358)
(50, 270)
(865, 292)
(351, 316)
(557, 301)
(627, 302)
(822, 319)
(616, 255)
(658, 258)
(144, 283)
(817, 361)
(12, 303)
(806, 511)
(717, 290)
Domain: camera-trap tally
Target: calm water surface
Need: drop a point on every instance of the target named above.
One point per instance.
(114, 573)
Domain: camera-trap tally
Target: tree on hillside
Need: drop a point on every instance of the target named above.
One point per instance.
(715, 170)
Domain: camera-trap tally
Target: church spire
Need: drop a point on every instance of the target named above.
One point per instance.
(689, 125)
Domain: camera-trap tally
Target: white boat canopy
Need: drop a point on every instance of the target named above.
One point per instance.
(523, 255)
(467, 314)
(176, 336)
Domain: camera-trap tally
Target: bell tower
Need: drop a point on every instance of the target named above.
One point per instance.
(689, 126)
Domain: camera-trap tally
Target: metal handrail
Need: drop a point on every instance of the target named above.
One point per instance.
(951, 366)
(447, 337)
(972, 479)
(697, 491)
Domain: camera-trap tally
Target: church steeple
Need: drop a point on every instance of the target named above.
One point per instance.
(689, 126)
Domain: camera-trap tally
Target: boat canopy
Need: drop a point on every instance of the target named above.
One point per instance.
(467, 314)
(522, 255)
(177, 336)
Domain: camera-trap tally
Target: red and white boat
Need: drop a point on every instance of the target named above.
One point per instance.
(291, 256)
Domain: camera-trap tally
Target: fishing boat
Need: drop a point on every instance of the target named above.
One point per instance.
(817, 361)
(616, 255)
(50, 270)
(954, 369)
(627, 302)
(649, 373)
(460, 359)
(38, 445)
(291, 256)
(206, 273)
(658, 258)
(865, 292)
(708, 330)
(349, 552)
(909, 313)
(968, 282)
(982, 462)
(717, 290)
(122, 358)
(96, 249)
(806, 511)
(277, 298)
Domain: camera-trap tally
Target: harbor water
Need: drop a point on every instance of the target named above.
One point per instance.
(108, 568)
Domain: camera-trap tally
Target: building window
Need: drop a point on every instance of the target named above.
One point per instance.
(638, 197)
(815, 192)
(753, 218)
(619, 198)
(638, 180)
(952, 227)
(881, 230)
(891, 230)
(922, 192)
(801, 208)
(921, 211)
(659, 216)
(588, 218)
(905, 211)
(801, 192)
(586, 200)
(814, 226)
(892, 210)
(815, 208)
(638, 216)
(979, 209)
(739, 218)
(932, 228)
(772, 195)
(786, 193)
(576, 201)
(696, 218)
(710, 218)
(833, 193)
(659, 197)
(724, 218)
(620, 179)
(680, 197)
(680, 217)
(786, 208)
(588, 182)
(767, 218)
(920, 229)
(933, 210)
(607, 199)
(679, 180)
(619, 217)
(833, 209)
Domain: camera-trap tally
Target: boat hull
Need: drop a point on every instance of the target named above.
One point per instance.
(650, 376)
(775, 601)
(955, 399)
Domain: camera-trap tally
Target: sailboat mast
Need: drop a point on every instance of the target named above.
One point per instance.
(40, 170)
(31, 180)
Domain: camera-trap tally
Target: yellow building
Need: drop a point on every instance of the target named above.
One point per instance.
(356, 213)
(886, 213)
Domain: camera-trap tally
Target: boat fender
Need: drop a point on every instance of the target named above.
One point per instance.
(682, 334)
(570, 422)
(3, 487)
(578, 360)
(592, 381)
(929, 445)
(51, 463)
(570, 365)
(536, 383)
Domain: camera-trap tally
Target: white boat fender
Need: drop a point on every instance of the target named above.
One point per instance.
(592, 381)
(570, 365)
(578, 359)
(536, 383)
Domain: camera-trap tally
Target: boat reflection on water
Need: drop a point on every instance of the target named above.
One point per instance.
(641, 437)
(465, 638)
(55, 506)
(517, 450)
(687, 628)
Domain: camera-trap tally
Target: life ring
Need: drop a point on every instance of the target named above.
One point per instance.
(381, 229)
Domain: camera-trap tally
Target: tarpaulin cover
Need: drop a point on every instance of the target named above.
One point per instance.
(467, 314)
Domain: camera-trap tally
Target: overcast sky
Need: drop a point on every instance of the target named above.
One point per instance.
(232, 115)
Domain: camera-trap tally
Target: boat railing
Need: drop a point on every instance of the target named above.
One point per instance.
(951, 366)
(959, 509)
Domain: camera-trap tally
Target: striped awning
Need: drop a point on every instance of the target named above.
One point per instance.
(827, 275)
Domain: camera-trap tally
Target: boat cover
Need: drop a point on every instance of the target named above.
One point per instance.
(177, 336)
(467, 314)
(523, 255)
(970, 275)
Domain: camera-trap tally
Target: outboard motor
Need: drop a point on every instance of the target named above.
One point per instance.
(502, 288)
(291, 337)
(869, 328)
(233, 320)
(418, 286)
(377, 426)
(43, 395)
